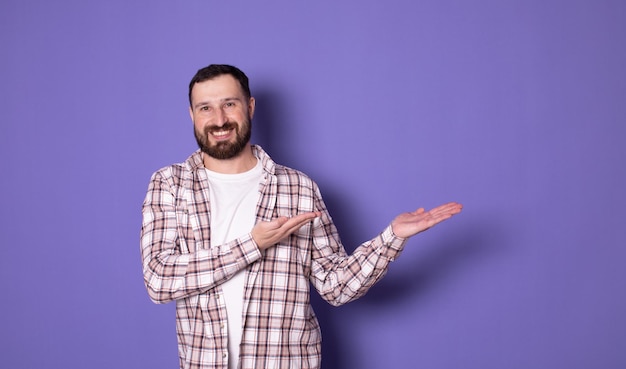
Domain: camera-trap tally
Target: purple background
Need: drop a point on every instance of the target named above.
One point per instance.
(517, 109)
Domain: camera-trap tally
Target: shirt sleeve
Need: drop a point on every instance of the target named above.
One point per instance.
(340, 278)
(172, 266)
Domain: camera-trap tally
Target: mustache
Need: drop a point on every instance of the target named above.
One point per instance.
(225, 126)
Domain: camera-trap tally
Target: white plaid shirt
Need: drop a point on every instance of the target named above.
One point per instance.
(280, 329)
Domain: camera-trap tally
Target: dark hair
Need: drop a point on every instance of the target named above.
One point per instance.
(215, 70)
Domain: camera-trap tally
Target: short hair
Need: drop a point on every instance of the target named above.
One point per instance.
(215, 70)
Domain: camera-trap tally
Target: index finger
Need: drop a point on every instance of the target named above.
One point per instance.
(302, 218)
(294, 223)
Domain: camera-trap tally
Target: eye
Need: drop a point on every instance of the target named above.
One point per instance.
(229, 104)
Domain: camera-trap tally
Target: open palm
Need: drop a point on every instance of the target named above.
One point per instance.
(409, 224)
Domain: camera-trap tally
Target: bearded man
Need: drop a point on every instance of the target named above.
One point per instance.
(236, 240)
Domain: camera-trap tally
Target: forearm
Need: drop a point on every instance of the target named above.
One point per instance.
(341, 278)
(171, 275)
(176, 264)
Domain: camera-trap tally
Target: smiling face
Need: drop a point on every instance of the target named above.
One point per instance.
(221, 116)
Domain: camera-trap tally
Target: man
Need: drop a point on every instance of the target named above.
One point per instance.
(235, 239)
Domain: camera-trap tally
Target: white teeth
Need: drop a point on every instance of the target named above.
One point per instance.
(220, 133)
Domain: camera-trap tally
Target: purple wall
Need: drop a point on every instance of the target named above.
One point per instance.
(517, 109)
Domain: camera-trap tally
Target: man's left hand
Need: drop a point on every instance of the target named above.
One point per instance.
(409, 224)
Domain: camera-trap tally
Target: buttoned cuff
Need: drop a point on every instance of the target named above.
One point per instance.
(250, 249)
(392, 245)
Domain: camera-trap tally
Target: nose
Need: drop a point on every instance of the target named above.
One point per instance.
(220, 117)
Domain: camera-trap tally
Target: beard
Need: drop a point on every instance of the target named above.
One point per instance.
(225, 149)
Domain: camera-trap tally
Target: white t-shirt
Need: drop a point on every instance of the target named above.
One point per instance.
(234, 199)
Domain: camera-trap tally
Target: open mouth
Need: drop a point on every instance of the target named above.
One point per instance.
(221, 134)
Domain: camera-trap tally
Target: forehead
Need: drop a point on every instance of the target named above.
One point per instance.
(218, 88)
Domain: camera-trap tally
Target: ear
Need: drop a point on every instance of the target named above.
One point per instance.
(191, 114)
(251, 105)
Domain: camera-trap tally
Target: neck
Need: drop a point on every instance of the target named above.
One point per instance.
(243, 162)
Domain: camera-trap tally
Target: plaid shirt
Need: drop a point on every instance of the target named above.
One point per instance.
(280, 329)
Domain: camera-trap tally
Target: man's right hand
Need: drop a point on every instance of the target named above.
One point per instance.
(266, 234)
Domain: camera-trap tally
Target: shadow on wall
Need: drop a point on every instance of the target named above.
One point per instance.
(431, 268)
(333, 349)
(439, 262)
(436, 263)
(271, 130)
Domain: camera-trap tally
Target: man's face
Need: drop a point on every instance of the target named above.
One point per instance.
(221, 116)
